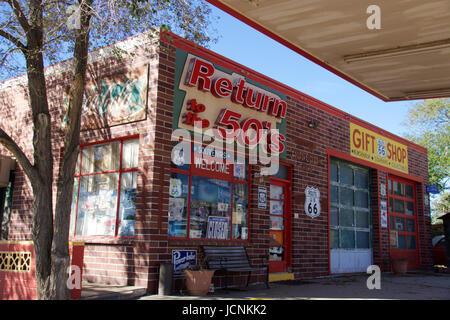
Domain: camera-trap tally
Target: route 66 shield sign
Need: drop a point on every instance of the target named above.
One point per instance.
(312, 202)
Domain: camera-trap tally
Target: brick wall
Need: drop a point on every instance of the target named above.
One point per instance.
(136, 261)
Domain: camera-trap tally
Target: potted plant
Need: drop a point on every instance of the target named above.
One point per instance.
(198, 279)
(399, 265)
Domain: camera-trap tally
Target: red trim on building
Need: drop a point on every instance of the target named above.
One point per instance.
(258, 77)
(350, 158)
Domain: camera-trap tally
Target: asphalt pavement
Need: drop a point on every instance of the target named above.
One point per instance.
(410, 286)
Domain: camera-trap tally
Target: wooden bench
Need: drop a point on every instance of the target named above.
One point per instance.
(231, 259)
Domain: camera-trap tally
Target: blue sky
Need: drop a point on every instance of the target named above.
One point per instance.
(257, 51)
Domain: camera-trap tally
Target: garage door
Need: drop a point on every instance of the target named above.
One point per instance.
(350, 221)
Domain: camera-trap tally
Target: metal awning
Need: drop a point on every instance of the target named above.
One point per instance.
(408, 58)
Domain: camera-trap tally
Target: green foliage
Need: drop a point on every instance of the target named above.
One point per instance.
(429, 126)
(112, 21)
(442, 205)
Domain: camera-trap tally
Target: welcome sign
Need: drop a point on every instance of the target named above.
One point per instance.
(373, 147)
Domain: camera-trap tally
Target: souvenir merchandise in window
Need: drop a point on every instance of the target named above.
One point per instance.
(127, 208)
(206, 203)
(178, 204)
(240, 171)
(240, 211)
(97, 205)
(104, 195)
(210, 208)
(276, 192)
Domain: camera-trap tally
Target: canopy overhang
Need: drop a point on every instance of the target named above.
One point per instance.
(407, 58)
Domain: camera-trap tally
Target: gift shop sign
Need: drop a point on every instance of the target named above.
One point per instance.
(373, 147)
(229, 103)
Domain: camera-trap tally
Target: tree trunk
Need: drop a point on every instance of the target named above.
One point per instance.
(51, 244)
(42, 238)
(60, 247)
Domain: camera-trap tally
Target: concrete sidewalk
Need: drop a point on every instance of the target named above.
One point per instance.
(93, 291)
(411, 286)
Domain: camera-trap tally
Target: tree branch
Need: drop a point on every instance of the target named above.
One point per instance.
(13, 39)
(26, 165)
(18, 12)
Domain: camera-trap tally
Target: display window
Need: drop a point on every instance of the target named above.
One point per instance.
(104, 193)
(208, 197)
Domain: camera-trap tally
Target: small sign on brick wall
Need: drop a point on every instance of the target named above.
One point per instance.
(182, 259)
(262, 197)
(383, 189)
(383, 213)
(312, 202)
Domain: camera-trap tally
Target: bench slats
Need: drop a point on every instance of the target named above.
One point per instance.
(230, 259)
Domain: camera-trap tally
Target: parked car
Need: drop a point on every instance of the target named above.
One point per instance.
(439, 244)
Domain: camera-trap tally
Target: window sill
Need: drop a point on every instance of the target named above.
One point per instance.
(103, 240)
(207, 242)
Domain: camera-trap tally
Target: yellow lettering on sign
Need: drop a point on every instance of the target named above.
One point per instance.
(373, 147)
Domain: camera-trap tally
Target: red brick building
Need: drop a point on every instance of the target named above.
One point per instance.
(348, 194)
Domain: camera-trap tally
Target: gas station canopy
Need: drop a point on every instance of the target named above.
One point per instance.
(407, 58)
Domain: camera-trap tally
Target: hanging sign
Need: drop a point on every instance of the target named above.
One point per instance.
(182, 259)
(383, 213)
(217, 228)
(432, 189)
(262, 197)
(373, 147)
(312, 202)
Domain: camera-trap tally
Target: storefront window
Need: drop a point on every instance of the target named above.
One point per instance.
(409, 191)
(240, 211)
(97, 205)
(240, 171)
(210, 208)
(208, 199)
(108, 172)
(127, 207)
(178, 204)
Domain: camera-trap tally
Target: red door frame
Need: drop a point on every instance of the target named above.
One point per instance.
(404, 253)
(286, 264)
